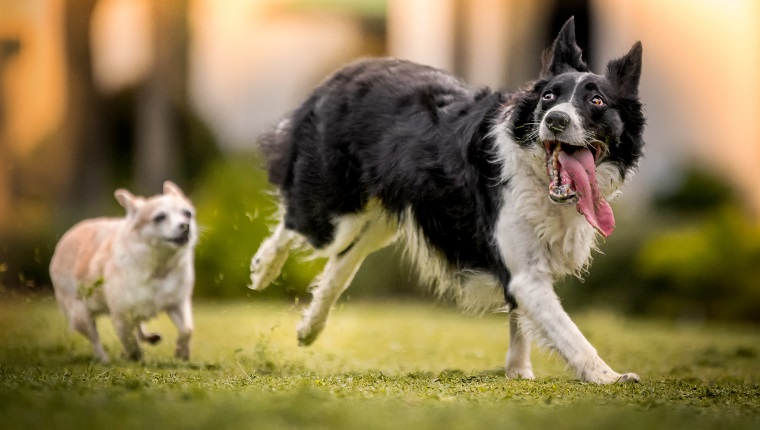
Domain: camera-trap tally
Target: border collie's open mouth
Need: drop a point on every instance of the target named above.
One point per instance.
(572, 178)
(561, 186)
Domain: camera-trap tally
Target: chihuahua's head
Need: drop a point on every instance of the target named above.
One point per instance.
(163, 221)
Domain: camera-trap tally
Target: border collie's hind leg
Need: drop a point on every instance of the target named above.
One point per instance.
(518, 356)
(337, 275)
(267, 264)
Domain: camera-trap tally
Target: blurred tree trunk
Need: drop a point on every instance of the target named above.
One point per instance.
(6, 187)
(8, 48)
(161, 98)
(84, 149)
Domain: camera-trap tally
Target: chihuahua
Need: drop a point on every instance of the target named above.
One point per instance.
(131, 268)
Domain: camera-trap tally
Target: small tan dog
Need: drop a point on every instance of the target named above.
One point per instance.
(131, 268)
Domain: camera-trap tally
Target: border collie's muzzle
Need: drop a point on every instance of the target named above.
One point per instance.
(571, 160)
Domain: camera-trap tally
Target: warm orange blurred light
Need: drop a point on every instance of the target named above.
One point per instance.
(121, 36)
(252, 60)
(34, 77)
(701, 80)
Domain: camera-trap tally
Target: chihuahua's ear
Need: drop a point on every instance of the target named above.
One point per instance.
(172, 189)
(564, 54)
(128, 200)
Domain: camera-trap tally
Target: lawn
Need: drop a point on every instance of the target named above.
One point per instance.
(377, 365)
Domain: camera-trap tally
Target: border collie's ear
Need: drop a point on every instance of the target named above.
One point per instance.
(625, 71)
(564, 54)
(172, 188)
(128, 201)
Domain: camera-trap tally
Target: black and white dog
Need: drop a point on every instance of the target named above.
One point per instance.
(494, 194)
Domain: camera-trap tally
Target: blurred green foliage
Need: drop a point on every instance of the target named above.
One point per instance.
(693, 255)
(706, 264)
(366, 8)
(698, 193)
(236, 208)
(711, 269)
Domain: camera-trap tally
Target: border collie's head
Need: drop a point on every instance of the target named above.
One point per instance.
(585, 130)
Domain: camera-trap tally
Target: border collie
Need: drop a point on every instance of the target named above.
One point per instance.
(494, 194)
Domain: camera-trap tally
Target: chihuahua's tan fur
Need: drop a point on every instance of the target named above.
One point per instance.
(131, 268)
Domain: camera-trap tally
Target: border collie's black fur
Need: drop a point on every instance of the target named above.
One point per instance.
(480, 185)
(408, 135)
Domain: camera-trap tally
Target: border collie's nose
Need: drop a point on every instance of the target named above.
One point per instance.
(557, 122)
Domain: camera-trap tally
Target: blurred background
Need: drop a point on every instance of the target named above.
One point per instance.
(101, 94)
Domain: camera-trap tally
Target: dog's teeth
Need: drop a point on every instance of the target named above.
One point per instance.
(555, 158)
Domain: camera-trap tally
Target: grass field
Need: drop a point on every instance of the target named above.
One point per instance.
(377, 366)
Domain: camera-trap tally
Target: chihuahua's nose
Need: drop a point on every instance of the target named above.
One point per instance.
(184, 227)
(557, 121)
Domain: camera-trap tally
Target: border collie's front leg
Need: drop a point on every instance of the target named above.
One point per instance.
(539, 304)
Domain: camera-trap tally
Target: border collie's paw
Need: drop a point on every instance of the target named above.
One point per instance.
(308, 333)
(610, 377)
(628, 378)
(520, 373)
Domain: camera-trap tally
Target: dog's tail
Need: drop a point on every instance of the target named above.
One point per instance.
(277, 148)
(267, 264)
(280, 150)
(280, 146)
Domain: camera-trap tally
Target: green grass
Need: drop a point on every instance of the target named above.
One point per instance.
(378, 365)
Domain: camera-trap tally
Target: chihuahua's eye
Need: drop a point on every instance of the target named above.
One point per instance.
(187, 213)
(597, 101)
(159, 218)
(548, 96)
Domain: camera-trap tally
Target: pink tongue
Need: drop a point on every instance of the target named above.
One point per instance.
(582, 170)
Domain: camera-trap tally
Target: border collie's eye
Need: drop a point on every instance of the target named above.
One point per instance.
(597, 101)
(159, 218)
(548, 96)
(187, 213)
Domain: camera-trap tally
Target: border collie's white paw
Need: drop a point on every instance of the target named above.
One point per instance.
(308, 333)
(610, 377)
(520, 373)
(628, 377)
(267, 264)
